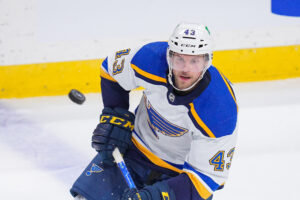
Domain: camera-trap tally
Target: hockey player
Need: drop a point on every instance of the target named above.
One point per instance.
(180, 142)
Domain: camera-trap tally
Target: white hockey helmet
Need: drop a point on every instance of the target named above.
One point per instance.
(190, 39)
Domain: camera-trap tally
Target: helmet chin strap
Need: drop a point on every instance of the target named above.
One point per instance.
(188, 88)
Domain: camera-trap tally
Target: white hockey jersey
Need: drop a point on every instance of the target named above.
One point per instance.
(193, 133)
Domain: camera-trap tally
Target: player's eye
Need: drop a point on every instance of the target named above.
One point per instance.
(179, 59)
(194, 61)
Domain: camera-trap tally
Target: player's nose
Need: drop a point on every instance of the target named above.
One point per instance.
(186, 67)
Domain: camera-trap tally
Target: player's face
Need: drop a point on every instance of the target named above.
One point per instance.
(187, 69)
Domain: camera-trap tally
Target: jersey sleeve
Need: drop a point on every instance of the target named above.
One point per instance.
(143, 66)
(209, 161)
(117, 68)
(128, 69)
(206, 168)
(117, 78)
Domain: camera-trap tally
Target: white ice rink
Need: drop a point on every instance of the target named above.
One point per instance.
(45, 144)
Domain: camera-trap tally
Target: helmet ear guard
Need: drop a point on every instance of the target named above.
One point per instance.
(190, 39)
(207, 58)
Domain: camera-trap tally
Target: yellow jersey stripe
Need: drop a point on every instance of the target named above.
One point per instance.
(229, 88)
(105, 75)
(148, 75)
(201, 189)
(200, 122)
(153, 158)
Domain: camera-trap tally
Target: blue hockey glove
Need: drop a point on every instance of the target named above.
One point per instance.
(114, 130)
(132, 194)
(157, 191)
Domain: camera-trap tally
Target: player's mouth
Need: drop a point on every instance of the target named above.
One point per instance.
(184, 78)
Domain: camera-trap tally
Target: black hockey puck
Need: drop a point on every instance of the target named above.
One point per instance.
(76, 96)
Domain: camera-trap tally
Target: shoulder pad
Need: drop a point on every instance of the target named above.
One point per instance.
(214, 112)
(150, 62)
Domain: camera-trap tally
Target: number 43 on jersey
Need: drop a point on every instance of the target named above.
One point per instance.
(218, 160)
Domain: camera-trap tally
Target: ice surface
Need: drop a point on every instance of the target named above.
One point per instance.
(45, 143)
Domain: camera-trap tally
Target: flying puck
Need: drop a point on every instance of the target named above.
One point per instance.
(76, 96)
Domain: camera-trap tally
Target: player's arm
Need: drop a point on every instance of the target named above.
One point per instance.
(214, 138)
(209, 162)
(113, 95)
(116, 122)
(121, 72)
(115, 75)
(128, 69)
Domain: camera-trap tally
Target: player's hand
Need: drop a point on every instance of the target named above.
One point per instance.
(133, 194)
(114, 130)
(157, 191)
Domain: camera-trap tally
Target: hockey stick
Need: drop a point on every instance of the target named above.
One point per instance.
(121, 164)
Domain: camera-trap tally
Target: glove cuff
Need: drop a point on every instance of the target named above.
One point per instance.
(159, 190)
(116, 121)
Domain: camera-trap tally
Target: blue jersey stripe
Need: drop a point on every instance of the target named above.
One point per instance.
(175, 165)
(210, 182)
(105, 65)
(135, 133)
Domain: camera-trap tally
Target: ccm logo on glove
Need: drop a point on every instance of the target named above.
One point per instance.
(117, 121)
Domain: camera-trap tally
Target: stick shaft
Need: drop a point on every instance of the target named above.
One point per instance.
(122, 166)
